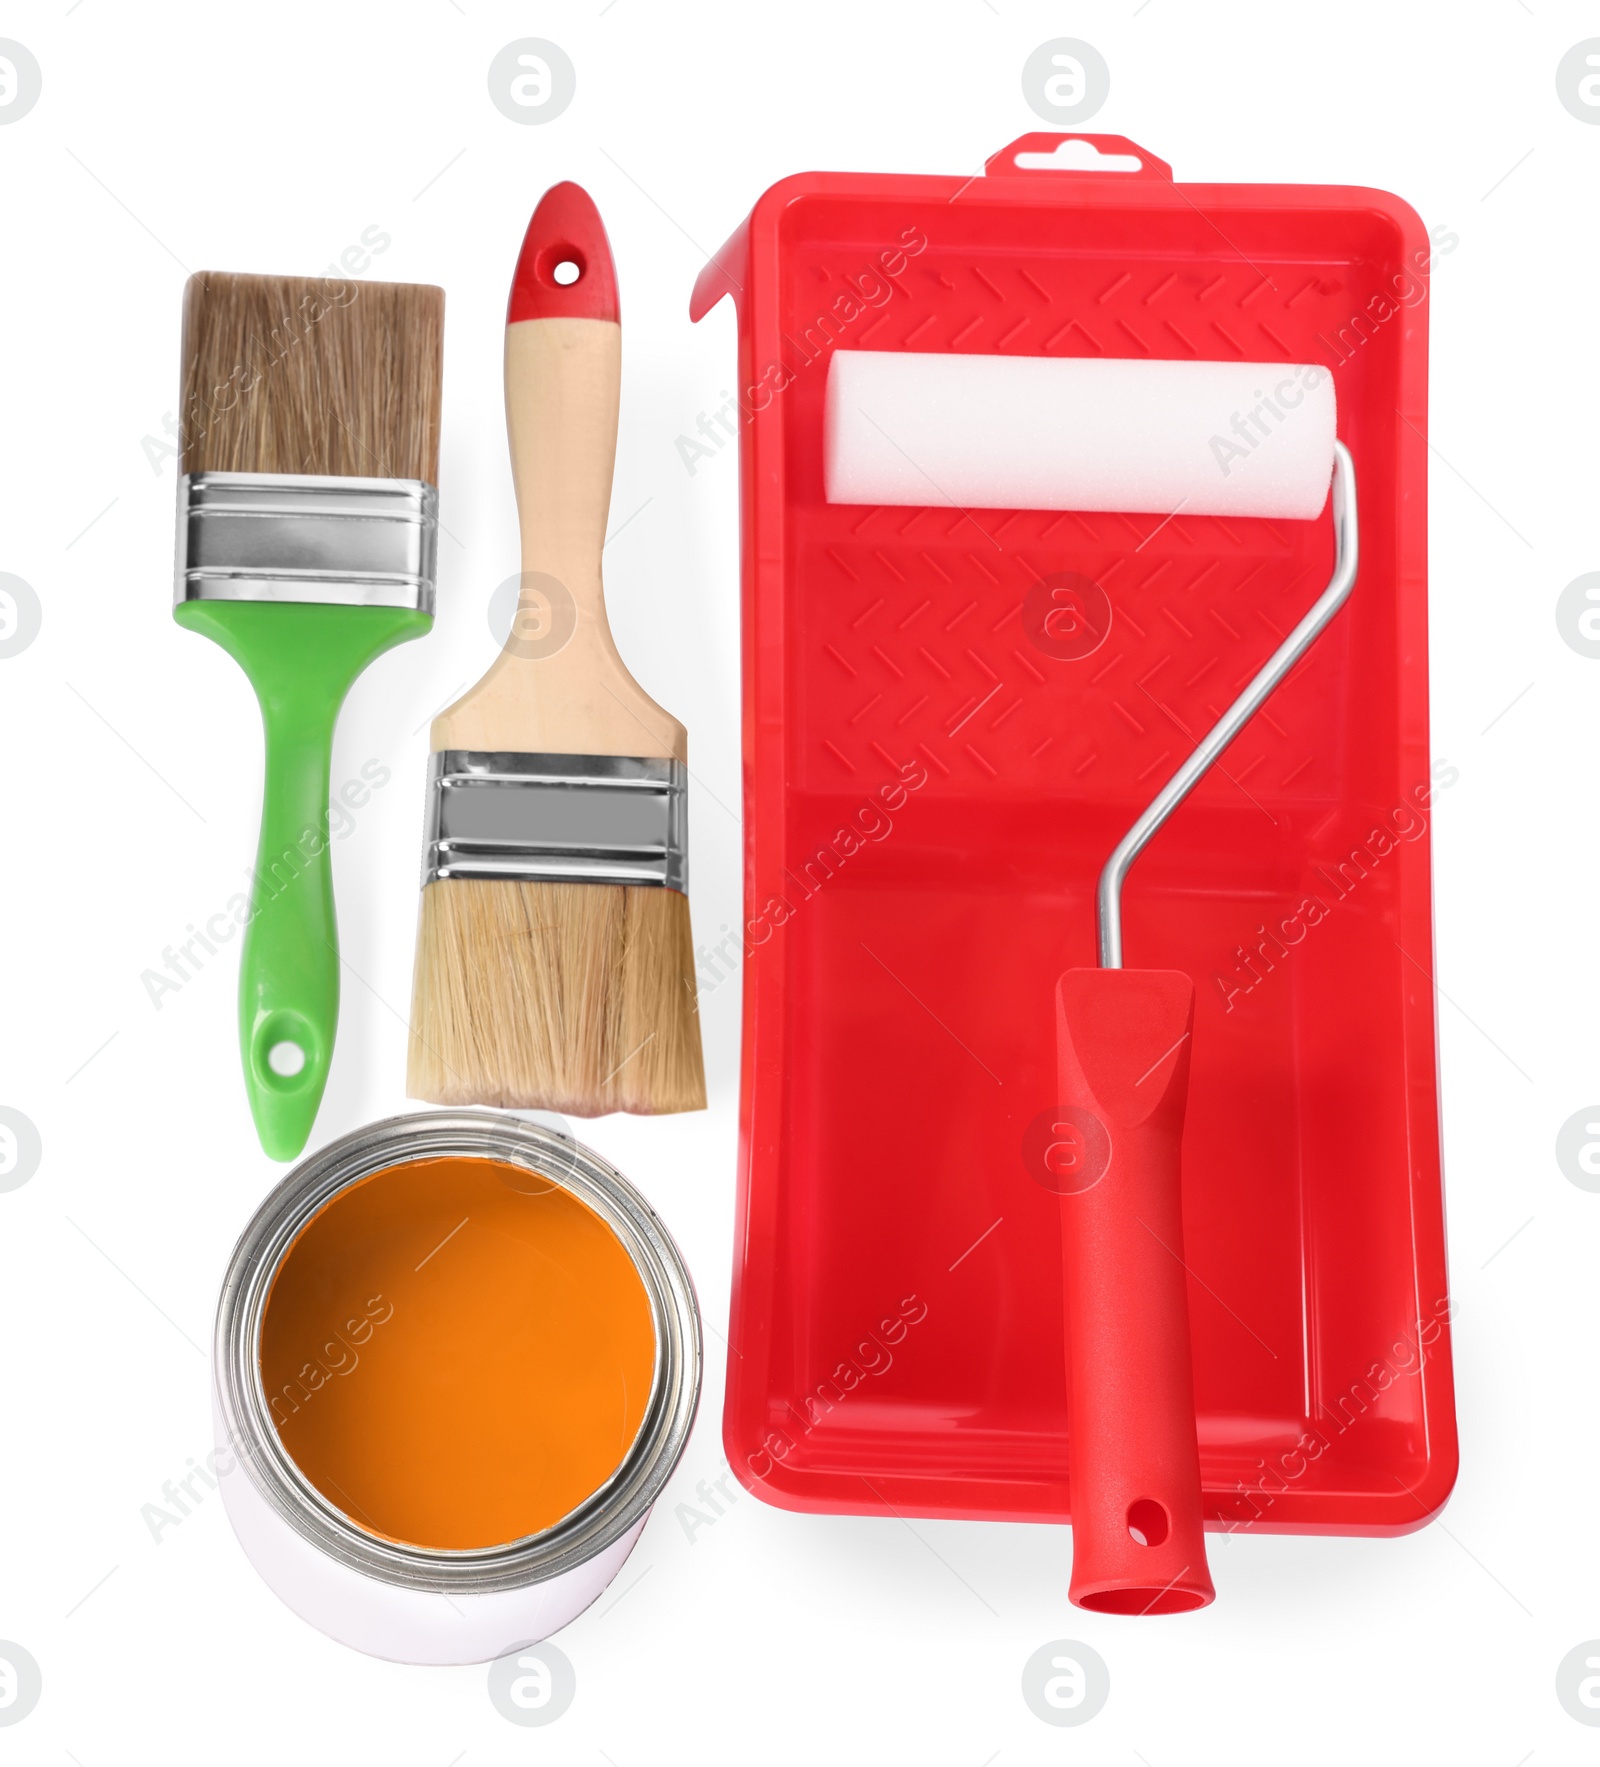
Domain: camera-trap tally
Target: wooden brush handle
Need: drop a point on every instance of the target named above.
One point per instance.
(563, 382)
(559, 686)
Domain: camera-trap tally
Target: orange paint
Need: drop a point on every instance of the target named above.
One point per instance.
(457, 1352)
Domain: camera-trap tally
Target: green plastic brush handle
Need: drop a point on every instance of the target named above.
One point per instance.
(301, 660)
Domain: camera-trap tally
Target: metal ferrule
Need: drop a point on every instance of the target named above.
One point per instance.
(283, 536)
(615, 819)
(246, 1414)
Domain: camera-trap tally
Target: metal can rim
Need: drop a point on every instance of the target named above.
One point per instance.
(602, 1518)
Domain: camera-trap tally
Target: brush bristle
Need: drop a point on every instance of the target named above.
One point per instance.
(577, 998)
(301, 374)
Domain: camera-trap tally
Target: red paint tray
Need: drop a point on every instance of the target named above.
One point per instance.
(929, 797)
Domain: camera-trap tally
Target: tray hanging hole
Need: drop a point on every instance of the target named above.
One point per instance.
(1075, 154)
(1147, 1522)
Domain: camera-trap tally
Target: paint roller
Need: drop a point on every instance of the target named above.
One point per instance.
(1138, 437)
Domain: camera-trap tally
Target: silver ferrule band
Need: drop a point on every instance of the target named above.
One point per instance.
(282, 536)
(615, 819)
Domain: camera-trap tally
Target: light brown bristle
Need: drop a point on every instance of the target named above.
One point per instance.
(577, 998)
(300, 374)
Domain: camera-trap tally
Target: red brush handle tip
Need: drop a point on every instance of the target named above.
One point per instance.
(565, 235)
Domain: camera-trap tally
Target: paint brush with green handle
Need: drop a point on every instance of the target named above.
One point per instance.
(307, 520)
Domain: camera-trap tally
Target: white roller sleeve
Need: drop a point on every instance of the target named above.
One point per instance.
(1054, 432)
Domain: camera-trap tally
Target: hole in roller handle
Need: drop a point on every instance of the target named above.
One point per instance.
(1148, 1523)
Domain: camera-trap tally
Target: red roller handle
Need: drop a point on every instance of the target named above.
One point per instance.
(1123, 1065)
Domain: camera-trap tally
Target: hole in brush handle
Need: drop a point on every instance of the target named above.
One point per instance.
(284, 1051)
(286, 1059)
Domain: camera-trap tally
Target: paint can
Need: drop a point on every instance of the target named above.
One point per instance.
(422, 1604)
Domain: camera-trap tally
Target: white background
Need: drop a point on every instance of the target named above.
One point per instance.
(181, 137)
